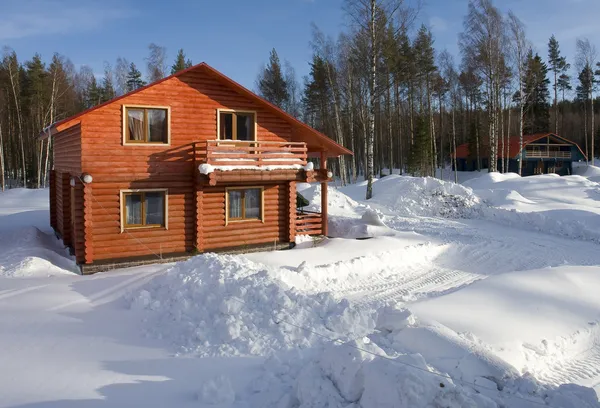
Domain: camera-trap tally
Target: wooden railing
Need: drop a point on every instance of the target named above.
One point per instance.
(552, 154)
(309, 223)
(250, 153)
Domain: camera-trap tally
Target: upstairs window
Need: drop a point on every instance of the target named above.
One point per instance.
(244, 204)
(146, 125)
(236, 125)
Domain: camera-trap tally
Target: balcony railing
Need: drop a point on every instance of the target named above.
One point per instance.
(309, 223)
(536, 154)
(251, 154)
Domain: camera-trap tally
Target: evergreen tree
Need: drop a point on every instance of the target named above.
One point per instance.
(420, 155)
(180, 62)
(537, 116)
(271, 83)
(316, 94)
(108, 89)
(559, 66)
(94, 93)
(134, 78)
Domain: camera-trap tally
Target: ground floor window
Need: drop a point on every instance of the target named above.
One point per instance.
(147, 208)
(244, 203)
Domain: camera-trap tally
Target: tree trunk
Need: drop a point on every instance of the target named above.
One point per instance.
(2, 182)
(351, 126)
(555, 102)
(19, 121)
(454, 143)
(593, 135)
(373, 86)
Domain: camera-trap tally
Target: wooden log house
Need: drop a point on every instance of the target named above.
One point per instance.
(191, 163)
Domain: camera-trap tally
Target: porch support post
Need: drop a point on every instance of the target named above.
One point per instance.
(292, 211)
(88, 223)
(198, 201)
(324, 230)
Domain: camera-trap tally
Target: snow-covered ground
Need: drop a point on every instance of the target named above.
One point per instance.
(432, 294)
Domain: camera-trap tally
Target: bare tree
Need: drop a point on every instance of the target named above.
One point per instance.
(325, 48)
(156, 62)
(482, 45)
(586, 57)
(519, 49)
(451, 77)
(121, 70)
(367, 16)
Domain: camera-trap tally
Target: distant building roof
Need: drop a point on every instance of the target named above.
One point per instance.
(462, 151)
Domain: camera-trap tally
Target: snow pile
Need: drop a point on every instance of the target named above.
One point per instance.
(217, 391)
(206, 168)
(360, 373)
(28, 252)
(227, 305)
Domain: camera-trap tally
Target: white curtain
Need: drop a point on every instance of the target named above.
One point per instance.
(235, 204)
(253, 203)
(155, 209)
(133, 206)
(135, 120)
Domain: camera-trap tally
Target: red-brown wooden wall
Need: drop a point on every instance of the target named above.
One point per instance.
(194, 98)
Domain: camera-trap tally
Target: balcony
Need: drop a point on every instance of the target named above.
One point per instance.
(254, 155)
(234, 161)
(545, 154)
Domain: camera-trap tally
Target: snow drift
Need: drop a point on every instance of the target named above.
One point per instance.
(227, 305)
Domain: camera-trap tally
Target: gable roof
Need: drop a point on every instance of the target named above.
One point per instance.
(315, 140)
(462, 151)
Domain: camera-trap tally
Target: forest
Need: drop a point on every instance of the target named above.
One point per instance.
(380, 88)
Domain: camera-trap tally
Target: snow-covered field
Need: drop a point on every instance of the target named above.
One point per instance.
(432, 294)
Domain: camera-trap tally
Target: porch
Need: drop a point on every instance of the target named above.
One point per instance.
(309, 223)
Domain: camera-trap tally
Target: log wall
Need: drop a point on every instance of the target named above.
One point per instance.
(194, 99)
(274, 229)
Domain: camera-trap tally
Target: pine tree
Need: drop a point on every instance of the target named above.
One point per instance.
(134, 78)
(536, 88)
(180, 62)
(420, 155)
(94, 93)
(108, 89)
(271, 83)
(558, 65)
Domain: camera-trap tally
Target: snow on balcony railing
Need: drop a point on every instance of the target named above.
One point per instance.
(227, 155)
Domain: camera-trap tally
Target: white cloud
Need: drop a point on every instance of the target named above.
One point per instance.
(46, 18)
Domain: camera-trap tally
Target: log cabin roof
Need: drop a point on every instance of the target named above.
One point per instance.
(462, 151)
(315, 140)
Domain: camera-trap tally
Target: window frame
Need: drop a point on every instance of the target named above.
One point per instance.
(234, 124)
(261, 219)
(125, 136)
(123, 210)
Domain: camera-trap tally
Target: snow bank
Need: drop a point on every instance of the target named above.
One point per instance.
(29, 252)
(227, 305)
(563, 302)
(424, 196)
(360, 373)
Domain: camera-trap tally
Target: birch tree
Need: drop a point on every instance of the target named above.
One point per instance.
(482, 45)
(519, 48)
(586, 58)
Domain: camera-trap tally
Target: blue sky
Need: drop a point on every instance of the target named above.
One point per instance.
(236, 36)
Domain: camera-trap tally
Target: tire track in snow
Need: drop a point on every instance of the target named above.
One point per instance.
(7, 294)
(111, 293)
(582, 367)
